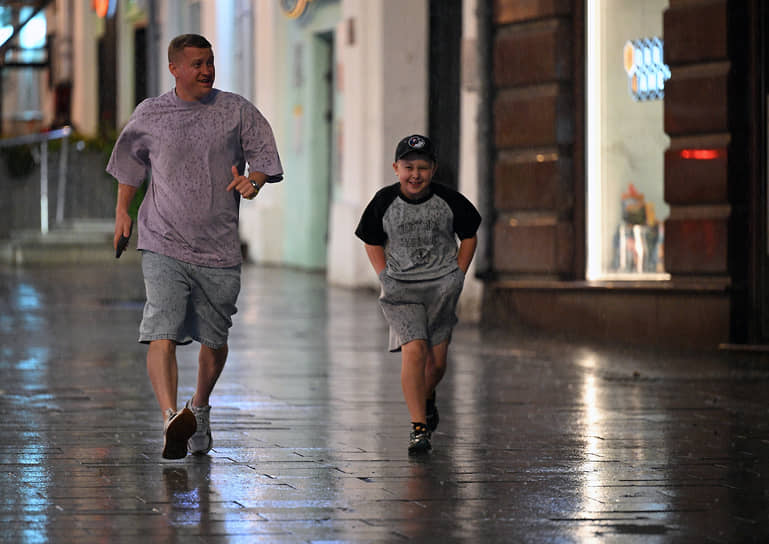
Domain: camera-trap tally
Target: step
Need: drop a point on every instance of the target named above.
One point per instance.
(79, 242)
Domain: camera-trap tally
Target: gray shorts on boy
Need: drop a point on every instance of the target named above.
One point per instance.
(420, 310)
(187, 302)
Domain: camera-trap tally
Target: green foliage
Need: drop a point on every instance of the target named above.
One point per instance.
(133, 210)
(20, 160)
(102, 145)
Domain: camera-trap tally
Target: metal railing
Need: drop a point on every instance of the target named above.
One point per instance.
(43, 138)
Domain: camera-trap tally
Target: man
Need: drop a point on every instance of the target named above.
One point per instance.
(194, 141)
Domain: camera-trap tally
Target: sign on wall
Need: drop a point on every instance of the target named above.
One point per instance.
(647, 73)
(294, 8)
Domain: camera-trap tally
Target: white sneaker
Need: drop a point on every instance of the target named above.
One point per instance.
(201, 442)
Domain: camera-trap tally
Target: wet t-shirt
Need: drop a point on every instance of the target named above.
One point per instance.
(419, 236)
(189, 148)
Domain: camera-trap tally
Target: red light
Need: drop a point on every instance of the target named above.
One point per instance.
(700, 154)
(104, 8)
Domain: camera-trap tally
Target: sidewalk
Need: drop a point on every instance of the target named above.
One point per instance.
(540, 440)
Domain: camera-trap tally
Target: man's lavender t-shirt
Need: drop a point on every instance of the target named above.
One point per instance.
(190, 148)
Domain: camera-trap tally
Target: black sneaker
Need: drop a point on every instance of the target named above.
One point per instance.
(419, 442)
(431, 410)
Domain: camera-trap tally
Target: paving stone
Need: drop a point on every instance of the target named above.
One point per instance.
(541, 439)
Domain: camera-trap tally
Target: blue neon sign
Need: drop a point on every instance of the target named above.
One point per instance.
(646, 70)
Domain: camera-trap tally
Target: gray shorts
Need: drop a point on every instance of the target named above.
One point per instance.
(187, 302)
(420, 310)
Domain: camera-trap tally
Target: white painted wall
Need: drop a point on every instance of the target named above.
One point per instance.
(385, 98)
(469, 308)
(169, 25)
(85, 97)
(382, 55)
(222, 37)
(381, 48)
(262, 220)
(126, 76)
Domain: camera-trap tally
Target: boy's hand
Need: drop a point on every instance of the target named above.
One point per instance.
(466, 252)
(376, 256)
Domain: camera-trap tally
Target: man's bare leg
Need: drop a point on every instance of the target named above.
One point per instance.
(164, 376)
(210, 365)
(163, 373)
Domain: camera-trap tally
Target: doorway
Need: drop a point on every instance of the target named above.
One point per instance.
(322, 154)
(445, 59)
(761, 283)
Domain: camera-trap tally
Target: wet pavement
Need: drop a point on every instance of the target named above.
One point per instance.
(540, 440)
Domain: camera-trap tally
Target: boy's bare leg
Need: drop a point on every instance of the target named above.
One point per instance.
(435, 367)
(210, 366)
(163, 372)
(413, 363)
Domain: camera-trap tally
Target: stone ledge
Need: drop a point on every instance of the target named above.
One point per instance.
(89, 244)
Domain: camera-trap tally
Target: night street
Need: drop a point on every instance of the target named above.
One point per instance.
(539, 441)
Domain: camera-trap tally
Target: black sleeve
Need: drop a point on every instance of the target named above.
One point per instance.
(370, 228)
(466, 216)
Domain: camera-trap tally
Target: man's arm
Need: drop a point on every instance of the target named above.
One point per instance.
(466, 252)
(125, 195)
(376, 255)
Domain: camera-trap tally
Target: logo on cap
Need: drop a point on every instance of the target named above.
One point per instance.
(416, 142)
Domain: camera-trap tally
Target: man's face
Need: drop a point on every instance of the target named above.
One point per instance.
(194, 71)
(414, 175)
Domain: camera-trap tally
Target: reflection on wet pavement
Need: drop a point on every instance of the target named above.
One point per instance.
(540, 440)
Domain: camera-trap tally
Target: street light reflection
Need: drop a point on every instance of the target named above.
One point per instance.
(593, 484)
(619, 460)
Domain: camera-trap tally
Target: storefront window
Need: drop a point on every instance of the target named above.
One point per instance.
(626, 76)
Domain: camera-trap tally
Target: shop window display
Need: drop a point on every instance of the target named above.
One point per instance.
(626, 76)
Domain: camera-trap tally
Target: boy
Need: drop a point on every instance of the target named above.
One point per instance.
(410, 230)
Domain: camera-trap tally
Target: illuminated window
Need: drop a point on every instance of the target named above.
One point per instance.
(32, 36)
(31, 39)
(626, 141)
(26, 82)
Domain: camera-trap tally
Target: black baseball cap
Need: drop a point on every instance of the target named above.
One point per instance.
(416, 143)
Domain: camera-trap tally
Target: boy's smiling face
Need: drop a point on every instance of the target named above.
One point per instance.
(414, 172)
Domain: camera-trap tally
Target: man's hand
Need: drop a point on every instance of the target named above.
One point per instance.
(123, 227)
(243, 185)
(123, 223)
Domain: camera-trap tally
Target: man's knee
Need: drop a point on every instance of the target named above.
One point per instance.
(164, 346)
(416, 349)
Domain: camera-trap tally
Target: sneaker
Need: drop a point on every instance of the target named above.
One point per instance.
(179, 427)
(201, 442)
(431, 410)
(419, 442)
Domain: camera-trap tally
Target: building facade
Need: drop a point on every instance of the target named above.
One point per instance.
(568, 133)
(616, 149)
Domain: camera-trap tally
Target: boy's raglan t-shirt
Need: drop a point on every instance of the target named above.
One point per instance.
(190, 148)
(419, 236)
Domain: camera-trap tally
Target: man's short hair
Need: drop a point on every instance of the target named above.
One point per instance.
(178, 44)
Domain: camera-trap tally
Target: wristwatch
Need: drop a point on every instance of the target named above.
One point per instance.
(254, 184)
